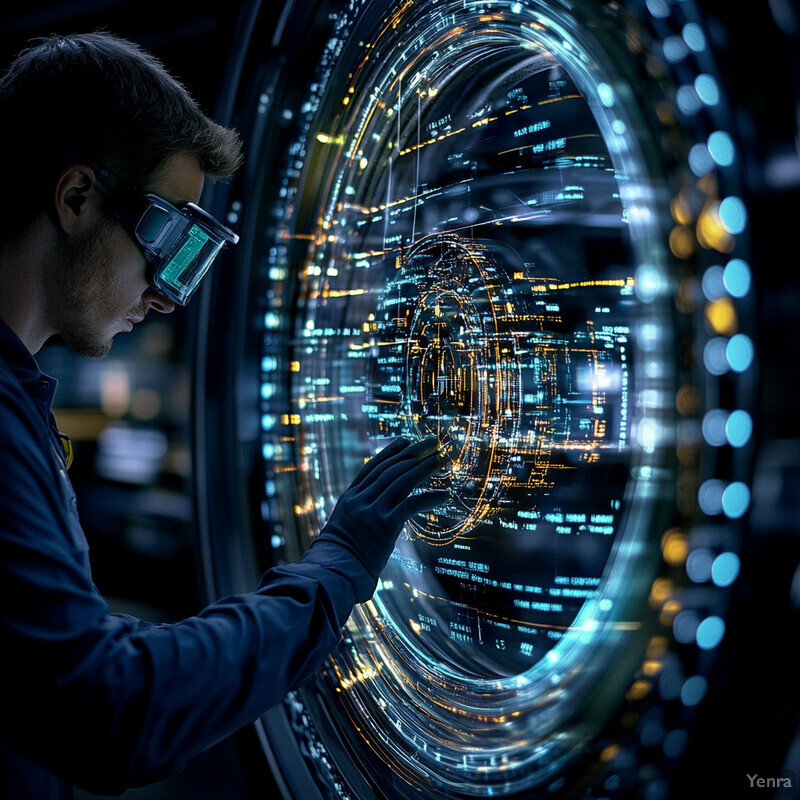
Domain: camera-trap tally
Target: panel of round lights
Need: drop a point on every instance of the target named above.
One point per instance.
(515, 236)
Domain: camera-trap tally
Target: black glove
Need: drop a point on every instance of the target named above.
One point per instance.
(371, 513)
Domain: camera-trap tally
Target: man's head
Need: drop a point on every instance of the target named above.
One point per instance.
(69, 104)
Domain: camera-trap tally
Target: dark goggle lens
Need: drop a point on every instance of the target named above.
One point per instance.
(152, 223)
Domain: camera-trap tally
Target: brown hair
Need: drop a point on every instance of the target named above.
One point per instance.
(106, 99)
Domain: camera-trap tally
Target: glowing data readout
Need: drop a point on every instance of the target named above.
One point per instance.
(467, 244)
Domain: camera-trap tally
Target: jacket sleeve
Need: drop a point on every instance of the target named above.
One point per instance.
(107, 702)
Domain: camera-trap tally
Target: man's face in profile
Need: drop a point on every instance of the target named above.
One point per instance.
(102, 287)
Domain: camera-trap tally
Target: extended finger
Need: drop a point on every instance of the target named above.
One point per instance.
(387, 471)
(403, 483)
(394, 447)
(422, 502)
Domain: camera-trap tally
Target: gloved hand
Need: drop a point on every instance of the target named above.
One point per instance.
(371, 513)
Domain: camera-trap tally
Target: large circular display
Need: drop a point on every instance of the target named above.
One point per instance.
(479, 234)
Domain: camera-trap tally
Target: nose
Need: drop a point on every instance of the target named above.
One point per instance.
(156, 301)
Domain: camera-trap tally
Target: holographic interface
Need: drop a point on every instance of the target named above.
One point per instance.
(466, 246)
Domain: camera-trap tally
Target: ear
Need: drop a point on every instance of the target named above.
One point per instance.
(77, 198)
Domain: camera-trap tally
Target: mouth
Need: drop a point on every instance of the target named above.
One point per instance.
(131, 321)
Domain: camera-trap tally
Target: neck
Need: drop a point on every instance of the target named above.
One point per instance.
(23, 298)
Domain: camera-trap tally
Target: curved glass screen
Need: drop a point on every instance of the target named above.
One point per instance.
(467, 243)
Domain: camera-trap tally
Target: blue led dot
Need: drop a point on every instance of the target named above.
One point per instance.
(674, 49)
(651, 733)
(725, 569)
(720, 146)
(689, 101)
(658, 8)
(709, 496)
(698, 565)
(739, 352)
(733, 214)
(694, 37)
(268, 451)
(710, 632)
(669, 684)
(738, 428)
(268, 422)
(606, 94)
(736, 277)
(700, 161)
(707, 89)
(715, 358)
(736, 500)
(713, 283)
(714, 427)
(693, 690)
(685, 626)
(675, 743)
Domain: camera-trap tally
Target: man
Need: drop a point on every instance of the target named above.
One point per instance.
(106, 156)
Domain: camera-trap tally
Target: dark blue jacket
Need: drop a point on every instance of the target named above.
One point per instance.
(104, 700)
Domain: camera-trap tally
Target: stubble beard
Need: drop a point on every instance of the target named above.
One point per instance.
(85, 288)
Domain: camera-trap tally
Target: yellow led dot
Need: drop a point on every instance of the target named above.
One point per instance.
(681, 241)
(721, 316)
(674, 547)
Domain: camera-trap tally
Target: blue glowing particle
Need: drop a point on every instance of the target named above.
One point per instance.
(658, 8)
(713, 283)
(268, 422)
(685, 626)
(606, 94)
(707, 89)
(674, 49)
(694, 37)
(733, 214)
(709, 496)
(700, 160)
(675, 743)
(698, 565)
(715, 358)
(689, 101)
(739, 352)
(693, 690)
(713, 427)
(736, 500)
(710, 632)
(738, 428)
(725, 569)
(736, 277)
(720, 146)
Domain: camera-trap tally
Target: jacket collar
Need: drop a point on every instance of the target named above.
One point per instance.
(41, 387)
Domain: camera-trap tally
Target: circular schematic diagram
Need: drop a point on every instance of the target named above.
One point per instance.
(489, 367)
(487, 227)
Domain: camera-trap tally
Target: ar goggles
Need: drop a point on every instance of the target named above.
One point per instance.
(180, 244)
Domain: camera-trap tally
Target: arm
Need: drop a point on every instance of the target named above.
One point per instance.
(106, 703)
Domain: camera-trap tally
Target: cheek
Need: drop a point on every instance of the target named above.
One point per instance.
(130, 266)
